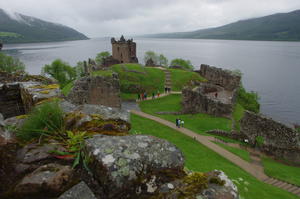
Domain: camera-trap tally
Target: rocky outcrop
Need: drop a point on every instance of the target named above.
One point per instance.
(201, 99)
(48, 180)
(279, 140)
(99, 90)
(109, 61)
(132, 165)
(6, 77)
(79, 191)
(220, 77)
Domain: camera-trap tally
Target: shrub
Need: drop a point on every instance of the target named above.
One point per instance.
(10, 64)
(45, 119)
(259, 140)
(186, 64)
(61, 71)
(151, 55)
(101, 56)
(249, 100)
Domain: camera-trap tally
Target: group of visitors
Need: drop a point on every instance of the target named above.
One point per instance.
(167, 90)
(143, 96)
(179, 123)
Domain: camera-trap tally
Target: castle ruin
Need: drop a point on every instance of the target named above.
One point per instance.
(124, 50)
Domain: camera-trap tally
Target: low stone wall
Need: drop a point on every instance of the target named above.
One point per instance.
(278, 139)
(231, 135)
(195, 100)
(220, 77)
(99, 90)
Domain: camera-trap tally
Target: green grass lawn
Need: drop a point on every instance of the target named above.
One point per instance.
(281, 171)
(102, 73)
(150, 79)
(239, 152)
(200, 158)
(199, 123)
(237, 115)
(182, 77)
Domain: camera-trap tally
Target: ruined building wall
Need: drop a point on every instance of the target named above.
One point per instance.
(124, 51)
(98, 90)
(11, 103)
(194, 101)
(220, 77)
(279, 140)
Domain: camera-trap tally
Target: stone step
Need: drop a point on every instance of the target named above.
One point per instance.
(297, 191)
(279, 183)
(284, 184)
(272, 181)
(268, 180)
(287, 186)
(293, 188)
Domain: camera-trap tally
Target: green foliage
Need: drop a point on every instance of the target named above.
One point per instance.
(151, 55)
(163, 61)
(260, 140)
(79, 69)
(10, 64)
(46, 119)
(186, 64)
(281, 171)
(249, 100)
(67, 88)
(101, 56)
(201, 159)
(61, 71)
(180, 78)
(102, 73)
(237, 115)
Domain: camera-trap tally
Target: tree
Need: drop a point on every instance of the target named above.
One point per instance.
(61, 71)
(151, 55)
(186, 64)
(163, 61)
(79, 69)
(101, 56)
(10, 64)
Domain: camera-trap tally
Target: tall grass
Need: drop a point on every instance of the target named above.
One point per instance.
(44, 120)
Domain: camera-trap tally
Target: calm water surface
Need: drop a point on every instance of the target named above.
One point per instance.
(270, 68)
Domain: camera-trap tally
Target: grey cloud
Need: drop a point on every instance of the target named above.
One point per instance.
(114, 17)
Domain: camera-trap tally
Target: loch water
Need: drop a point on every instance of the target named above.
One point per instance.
(269, 68)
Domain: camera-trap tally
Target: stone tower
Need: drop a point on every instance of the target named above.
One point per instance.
(124, 51)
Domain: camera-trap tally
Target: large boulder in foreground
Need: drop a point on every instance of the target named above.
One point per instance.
(79, 191)
(100, 90)
(129, 166)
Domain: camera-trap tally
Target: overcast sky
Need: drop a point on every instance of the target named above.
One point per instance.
(97, 18)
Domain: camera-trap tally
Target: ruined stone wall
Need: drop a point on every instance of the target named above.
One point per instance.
(220, 77)
(279, 140)
(11, 103)
(101, 90)
(194, 101)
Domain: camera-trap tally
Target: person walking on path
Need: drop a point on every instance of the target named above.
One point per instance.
(139, 97)
(158, 93)
(216, 94)
(145, 95)
(153, 95)
(182, 123)
(176, 122)
(179, 121)
(142, 96)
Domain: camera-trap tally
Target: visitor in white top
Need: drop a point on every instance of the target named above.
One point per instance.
(182, 123)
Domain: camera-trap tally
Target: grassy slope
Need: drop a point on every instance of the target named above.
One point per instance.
(287, 173)
(200, 158)
(153, 79)
(181, 77)
(197, 122)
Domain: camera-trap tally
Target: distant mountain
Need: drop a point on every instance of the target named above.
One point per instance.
(277, 27)
(18, 28)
